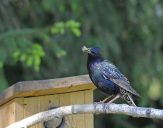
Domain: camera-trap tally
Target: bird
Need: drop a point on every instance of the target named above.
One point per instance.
(108, 78)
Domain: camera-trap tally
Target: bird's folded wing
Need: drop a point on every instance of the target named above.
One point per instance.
(125, 85)
(112, 73)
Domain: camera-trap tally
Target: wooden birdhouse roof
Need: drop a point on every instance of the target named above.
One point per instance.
(45, 87)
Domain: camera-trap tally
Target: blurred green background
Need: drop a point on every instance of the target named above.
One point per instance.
(42, 39)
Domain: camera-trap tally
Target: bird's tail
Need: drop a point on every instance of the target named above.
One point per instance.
(127, 97)
(130, 101)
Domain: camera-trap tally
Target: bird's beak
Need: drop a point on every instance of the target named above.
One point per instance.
(85, 49)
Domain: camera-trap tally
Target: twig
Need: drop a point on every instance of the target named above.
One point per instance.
(23, 32)
(89, 108)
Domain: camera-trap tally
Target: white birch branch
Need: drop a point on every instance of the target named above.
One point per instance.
(89, 108)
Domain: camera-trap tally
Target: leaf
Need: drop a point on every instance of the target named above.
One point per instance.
(72, 24)
(58, 28)
(60, 53)
(74, 27)
(38, 48)
(76, 31)
(16, 55)
(37, 61)
(29, 61)
(23, 57)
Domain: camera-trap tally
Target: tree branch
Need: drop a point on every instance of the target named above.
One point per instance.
(89, 108)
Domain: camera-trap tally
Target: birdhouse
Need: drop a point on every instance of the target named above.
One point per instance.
(27, 98)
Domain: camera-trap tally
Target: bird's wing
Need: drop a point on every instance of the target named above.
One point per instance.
(111, 72)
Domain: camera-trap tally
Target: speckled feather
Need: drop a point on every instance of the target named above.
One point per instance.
(111, 72)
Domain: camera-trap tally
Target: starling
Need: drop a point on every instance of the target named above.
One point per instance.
(107, 78)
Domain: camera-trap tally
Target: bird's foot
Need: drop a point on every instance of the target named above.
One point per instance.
(114, 98)
(107, 99)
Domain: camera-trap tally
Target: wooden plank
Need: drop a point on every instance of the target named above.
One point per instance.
(3, 110)
(7, 114)
(46, 87)
(3, 113)
(19, 109)
(47, 102)
(78, 120)
(31, 107)
(89, 118)
(65, 100)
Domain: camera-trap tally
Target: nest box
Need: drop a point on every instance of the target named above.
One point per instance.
(26, 98)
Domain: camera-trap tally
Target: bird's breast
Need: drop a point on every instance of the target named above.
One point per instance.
(100, 81)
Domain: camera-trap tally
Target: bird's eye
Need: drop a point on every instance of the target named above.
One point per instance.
(93, 52)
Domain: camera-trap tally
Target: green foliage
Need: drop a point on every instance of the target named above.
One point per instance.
(61, 27)
(21, 46)
(58, 28)
(73, 27)
(31, 56)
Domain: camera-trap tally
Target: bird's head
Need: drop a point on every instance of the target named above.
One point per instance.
(93, 52)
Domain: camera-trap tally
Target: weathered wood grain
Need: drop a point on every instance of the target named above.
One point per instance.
(45, 87)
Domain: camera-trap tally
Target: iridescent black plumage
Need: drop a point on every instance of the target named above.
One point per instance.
(107, 77)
